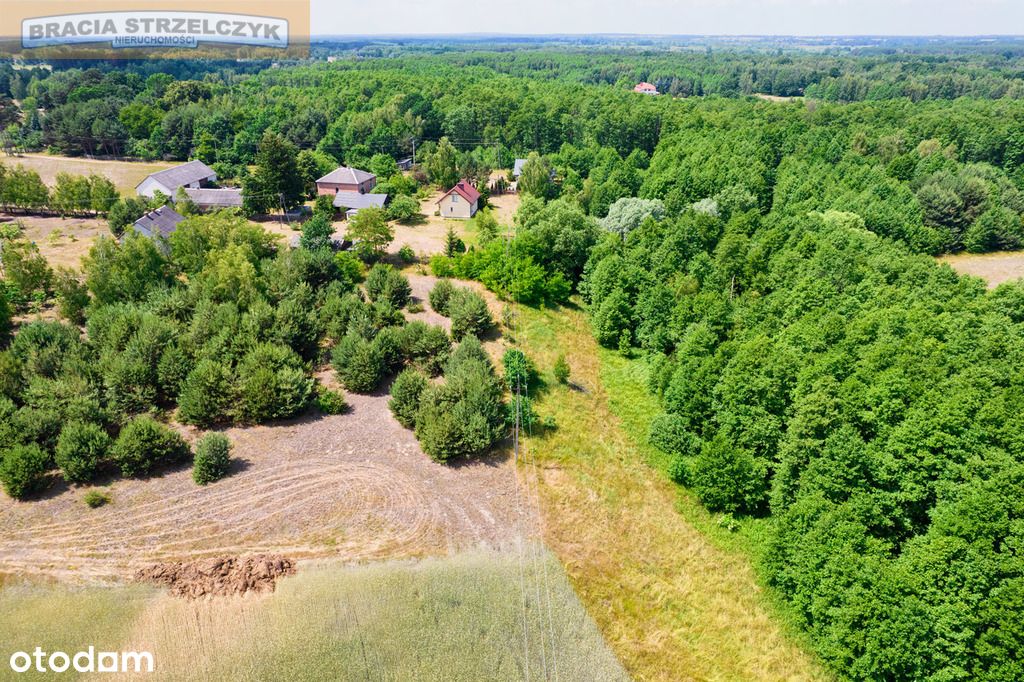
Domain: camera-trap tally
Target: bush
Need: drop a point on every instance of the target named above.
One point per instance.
(463, 416)
(94, 499)
(403, 209)
(212, 458)
(80, 451)
(669, 434)
(442, 266)
(469, 314)
(519, 370)
(384, 283)
(406, 254)
(728, 479)
(358, 363)
(205, 395)
(272, 384)
(37, 425)
(405, 396)
(330, 402)
(144, 445)
(426, 346)
(440, 295)
(72, 297)
(561, 370)
(23, 469)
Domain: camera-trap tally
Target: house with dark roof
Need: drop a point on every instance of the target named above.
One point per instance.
(209, 199)
(461, 201)
(345, 179)
(351, 202)
(646, 89)
(158, 224)
(517, 169)
(193, 174)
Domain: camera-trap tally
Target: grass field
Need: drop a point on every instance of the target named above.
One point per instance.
(455, 618)
(994, 268)
(675, 596)
(124, 174)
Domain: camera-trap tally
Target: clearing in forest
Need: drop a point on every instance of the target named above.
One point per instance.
(994, 268)
(124, 174)
(672, 603)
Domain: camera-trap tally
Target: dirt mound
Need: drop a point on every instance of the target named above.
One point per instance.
(219, 576)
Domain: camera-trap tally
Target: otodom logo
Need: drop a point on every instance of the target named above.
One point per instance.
(154, 29)
(88, 661)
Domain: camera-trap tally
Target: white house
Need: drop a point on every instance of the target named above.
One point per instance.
(194, 174)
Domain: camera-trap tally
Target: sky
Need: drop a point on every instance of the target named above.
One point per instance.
(675, 17)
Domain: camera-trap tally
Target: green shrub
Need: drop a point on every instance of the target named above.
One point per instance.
(23, 469)
(669, 433)
(561, 370)
(330, 402)
(463, 416)
(35, 425)
(440, 295)
(350, 268)
(384, 283)
(728, 479)
(144, 445)
(81, 448)
(405, 396)
(519, 370)
(72, 297)
(272, 384)
(469, 314)
(426, 346)
(212, 458)
(206, 395)
(358, 363)
(406, 254)
(95, 498)
(442, 266)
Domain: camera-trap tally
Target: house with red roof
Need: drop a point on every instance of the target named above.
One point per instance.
(461, 201)
(646, 88)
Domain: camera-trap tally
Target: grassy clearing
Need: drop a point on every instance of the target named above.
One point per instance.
(59, 618)
(675, 596)
(453, 618)
(995, 268)
(124, 174)
(456, 618)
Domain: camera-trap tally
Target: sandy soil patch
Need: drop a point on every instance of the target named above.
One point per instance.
(124, 174)
(355, 486)
(994, 268)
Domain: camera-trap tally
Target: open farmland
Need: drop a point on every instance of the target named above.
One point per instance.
(124, 174)
(464, 616)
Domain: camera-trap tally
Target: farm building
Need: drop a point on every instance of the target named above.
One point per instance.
(351, 202)
(646, 89)
(159, 223)
(345, 179)
(461, 201)
(193, 174)
(405, 164)
(517, 169)
(207, 199)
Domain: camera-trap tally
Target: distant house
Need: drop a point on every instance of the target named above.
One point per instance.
(517, 169)
(214, 199)
(646, 88)
(345, 179)
(405, 164)
(193, 174)
(351, 202)
(158, 224)
(461, 201)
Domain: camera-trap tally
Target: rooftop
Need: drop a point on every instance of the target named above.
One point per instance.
(185, 174)
(162, 221)
(343, 175)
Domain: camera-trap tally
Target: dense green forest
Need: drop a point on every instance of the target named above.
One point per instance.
(769, 260)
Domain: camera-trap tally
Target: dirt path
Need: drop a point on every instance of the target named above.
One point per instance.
(353, 486)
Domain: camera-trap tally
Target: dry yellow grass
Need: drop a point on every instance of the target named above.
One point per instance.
(994, 268)
(671, 603)
(124, 174)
